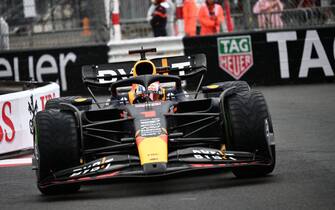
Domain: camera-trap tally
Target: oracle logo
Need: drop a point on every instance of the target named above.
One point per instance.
(7, 129)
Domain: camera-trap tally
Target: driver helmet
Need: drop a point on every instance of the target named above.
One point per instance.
(140, 90)
(137, 94)
(140, 95)
(155, 92)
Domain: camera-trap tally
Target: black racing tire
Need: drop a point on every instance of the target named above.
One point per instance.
(240, 86)
(56, 147)
(55, 102)
(246, 115)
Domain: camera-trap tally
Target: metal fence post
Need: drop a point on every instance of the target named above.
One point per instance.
(248, 20)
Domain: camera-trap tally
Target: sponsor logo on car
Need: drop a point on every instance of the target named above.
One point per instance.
(98, 166)
(235, 55)
(208, 154)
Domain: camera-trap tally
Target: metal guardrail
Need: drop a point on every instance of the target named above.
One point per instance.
(74, 37)
(168, 46)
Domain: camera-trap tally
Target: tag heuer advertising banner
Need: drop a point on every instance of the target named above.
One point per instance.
(235, 55)
(61, 65)
(268, 57)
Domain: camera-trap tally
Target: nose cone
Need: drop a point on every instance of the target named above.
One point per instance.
(152, 149)
(154, 168)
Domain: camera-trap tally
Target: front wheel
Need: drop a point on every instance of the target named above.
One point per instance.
(78, 101)
(249, 128)
(56, 147)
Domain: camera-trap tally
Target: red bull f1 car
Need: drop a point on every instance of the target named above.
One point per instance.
(151, 126)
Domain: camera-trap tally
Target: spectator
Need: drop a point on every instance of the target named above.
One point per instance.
(58, 17)
(210, 18)
(171, 10)
(269, 13)
(159, 18)
(190, 13)
(4, 34)
(68, 15)
(151, 10)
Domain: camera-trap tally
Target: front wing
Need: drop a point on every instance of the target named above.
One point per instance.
(183, 160)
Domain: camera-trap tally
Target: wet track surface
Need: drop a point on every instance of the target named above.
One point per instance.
(304, 123)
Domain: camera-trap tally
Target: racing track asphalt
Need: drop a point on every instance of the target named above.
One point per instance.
(304, 123)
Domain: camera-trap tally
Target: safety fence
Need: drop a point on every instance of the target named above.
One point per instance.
(77, 32)
(294, 18)
(58, 33)
(81, 22)
(286, 19)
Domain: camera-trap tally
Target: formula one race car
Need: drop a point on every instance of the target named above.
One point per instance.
(151, 126)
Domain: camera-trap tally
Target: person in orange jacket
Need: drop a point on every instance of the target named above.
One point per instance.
(210, 17)
(190, 14)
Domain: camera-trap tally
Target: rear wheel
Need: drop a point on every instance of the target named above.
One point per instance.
(249, 128)
(56, 147)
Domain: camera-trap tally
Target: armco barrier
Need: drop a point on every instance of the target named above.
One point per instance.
(61, 65)
(272, 57)
(16, 112)
(166, 46)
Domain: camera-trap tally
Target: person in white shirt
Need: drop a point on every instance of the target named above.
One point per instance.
(4, 34)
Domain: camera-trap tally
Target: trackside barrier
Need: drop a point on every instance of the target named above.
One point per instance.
(61, 65)
(16, 113)
(263, 57)
(268, 57)
(166, 46)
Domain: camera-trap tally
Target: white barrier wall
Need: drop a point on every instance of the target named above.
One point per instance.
(16, 114)
(166, 46)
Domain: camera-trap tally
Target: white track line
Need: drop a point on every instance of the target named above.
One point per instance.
(15, 162)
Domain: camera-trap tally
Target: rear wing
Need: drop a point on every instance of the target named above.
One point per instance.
(106, 74)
